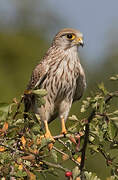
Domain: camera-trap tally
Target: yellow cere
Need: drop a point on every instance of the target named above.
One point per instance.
(80, 39)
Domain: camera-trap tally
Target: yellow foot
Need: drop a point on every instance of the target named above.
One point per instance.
(49, 136)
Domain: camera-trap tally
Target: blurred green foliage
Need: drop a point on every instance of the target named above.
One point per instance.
(19, 53)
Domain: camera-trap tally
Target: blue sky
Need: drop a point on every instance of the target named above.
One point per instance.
(97, 19)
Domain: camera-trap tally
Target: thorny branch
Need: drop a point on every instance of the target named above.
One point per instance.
(70, 157)
(55, 165)
(86, 137)
(32, 157)
(58, 138)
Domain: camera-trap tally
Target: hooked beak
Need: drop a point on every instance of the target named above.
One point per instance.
(80, 41)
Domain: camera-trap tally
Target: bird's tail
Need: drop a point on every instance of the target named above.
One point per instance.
(28, 101)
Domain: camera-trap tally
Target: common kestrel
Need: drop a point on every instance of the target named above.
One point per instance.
(61, 74)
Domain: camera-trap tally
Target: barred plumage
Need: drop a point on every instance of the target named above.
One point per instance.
(62, 75)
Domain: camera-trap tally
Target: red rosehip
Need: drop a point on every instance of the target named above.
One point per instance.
(68, 174)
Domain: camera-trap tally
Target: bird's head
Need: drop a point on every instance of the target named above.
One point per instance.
(68, 38)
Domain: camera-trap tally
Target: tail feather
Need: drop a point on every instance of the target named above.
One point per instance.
(28, 101)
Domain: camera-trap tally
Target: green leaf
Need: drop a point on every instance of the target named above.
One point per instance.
(73, 118)
(68, 143)
(82, 110)
(19, 122)
(111, 130)
(112, 178)
(53, 172)
(75, 172)
(102, 103)
(102, 88)
(114, 145)
(94, 147)
(54, 155)
(114, 118)
(36, 128)
(20, 173)
(91, 176)
(4, 109)
(12, 133)
(27, 163)
(40, 92)
(3, 178)
(115, 112)
(91, 138)
(42, 101)
(44, 142)
(114, 78)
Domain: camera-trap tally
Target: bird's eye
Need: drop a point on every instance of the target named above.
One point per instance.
(70, 36)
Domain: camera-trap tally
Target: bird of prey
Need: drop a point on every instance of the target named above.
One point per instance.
(61, 74)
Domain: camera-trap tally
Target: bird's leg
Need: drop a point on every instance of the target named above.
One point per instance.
(63, 127)
(48, 133)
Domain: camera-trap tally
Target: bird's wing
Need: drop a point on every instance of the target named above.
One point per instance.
(38, 76)
(78, 91)
(80, 85)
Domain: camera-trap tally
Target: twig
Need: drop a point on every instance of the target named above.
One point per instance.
(18, 107)
(110, 96)
(103, 153)
(60, 141)
(86, 140)
(55, 165)
(58, 150)
(11, 149)
(59, 136)
(70, 157)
